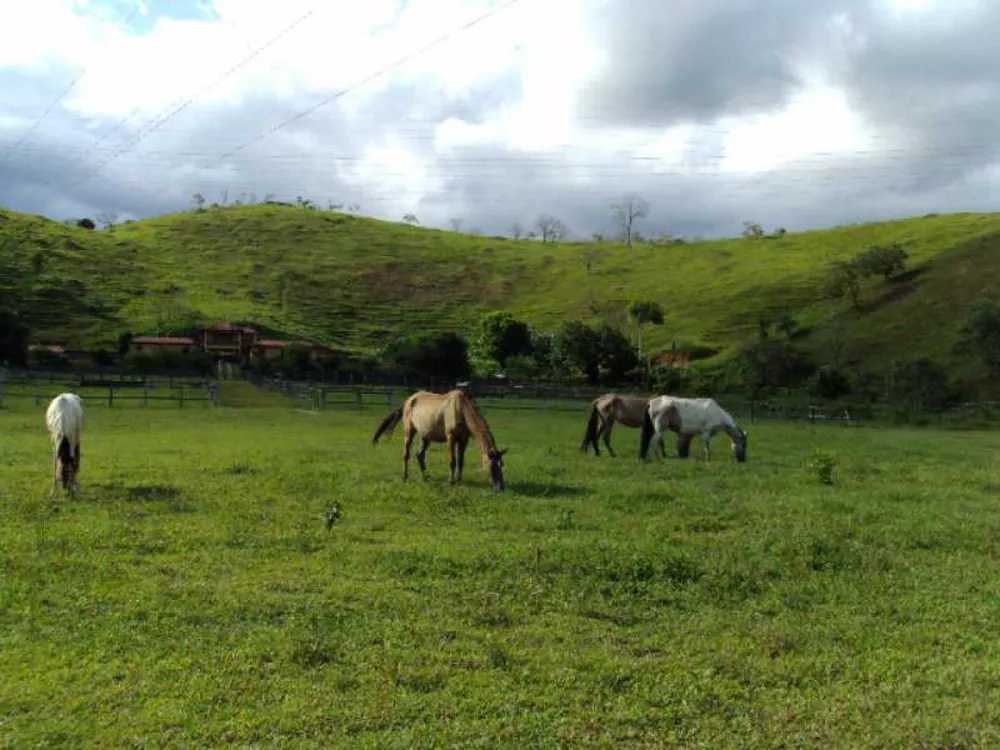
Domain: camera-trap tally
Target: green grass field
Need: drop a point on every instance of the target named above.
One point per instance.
(193, 596)
(355, 283)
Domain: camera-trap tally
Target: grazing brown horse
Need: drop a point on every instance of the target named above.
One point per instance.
(450, 418)
(604, 410)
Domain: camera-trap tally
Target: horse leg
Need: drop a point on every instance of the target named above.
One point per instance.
(461, 458)
(422, 456)
(452, 459)
(76, 472)
(606, 435)
(408, 436)
(706, 442)
(55, 475)
(683, 445)
(663, 447)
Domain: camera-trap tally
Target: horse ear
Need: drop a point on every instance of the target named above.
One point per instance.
(503, 452)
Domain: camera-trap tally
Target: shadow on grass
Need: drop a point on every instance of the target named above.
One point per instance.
(139, 492)
(544, 489)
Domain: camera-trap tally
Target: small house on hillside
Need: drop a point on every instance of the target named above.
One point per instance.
(673, 359)
(181, 344)
(227, 340)
(274, 348)
(53, 349)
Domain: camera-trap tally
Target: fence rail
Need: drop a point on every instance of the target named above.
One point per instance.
(112, 388)
(148, 391)
(319, 397)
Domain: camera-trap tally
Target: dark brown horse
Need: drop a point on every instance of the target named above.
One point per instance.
(450, 418)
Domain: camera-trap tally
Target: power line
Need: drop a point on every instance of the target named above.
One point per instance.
(367, 79)
(72, 85)
(160, 121)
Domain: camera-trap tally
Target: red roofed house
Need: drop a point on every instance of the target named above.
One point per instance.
(273, 348)
(673, 359)
(50, 348)
(159, 343)
(270, 348)
(225, 339)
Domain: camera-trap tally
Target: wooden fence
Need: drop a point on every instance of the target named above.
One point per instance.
(318, 397)
(141, 390)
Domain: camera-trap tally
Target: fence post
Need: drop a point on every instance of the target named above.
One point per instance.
(111, 396)
(357, 396)
(181, 400)
(145, 396)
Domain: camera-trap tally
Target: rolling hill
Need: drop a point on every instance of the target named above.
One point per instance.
(354, 282)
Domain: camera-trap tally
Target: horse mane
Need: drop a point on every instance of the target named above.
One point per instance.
(477, 423)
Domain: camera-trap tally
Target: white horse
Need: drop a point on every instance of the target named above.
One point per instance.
(64, 419)
(689, 417)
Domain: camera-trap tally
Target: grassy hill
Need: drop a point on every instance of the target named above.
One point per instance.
(354, 282)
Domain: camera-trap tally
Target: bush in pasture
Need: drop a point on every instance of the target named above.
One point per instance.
(919, 385)
(843, 279)
(617, 358)
(437, 355)
(577, 348)
(524, 368)
(667, 379)
(502, 336)
(829, 383)
(882, 260)
(543, 351)
(772, 363)
(86, 223)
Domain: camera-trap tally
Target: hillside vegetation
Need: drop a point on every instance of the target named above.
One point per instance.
(355, 282)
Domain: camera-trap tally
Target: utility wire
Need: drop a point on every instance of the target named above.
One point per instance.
(160, 121)
(367, 79)
(63, 95)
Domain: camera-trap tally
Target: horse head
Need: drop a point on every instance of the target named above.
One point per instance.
(495, 460)
(740, 447)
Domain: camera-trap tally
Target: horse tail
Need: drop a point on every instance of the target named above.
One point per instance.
(387, 425)
(590, 436)
(65, 451)
(646, 435)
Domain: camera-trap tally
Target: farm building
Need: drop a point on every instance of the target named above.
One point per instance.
(181, 344)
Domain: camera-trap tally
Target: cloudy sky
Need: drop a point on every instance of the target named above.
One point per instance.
(794, 113)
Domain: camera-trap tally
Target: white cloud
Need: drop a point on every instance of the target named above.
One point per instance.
(509, 88)
(817, 122)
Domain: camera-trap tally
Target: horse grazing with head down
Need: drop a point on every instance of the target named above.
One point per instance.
(450, 418)
(690, 417)
(64, 420)
(604, 411)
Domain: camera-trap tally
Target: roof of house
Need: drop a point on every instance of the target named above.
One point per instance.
(177, 340)
(229, 327)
